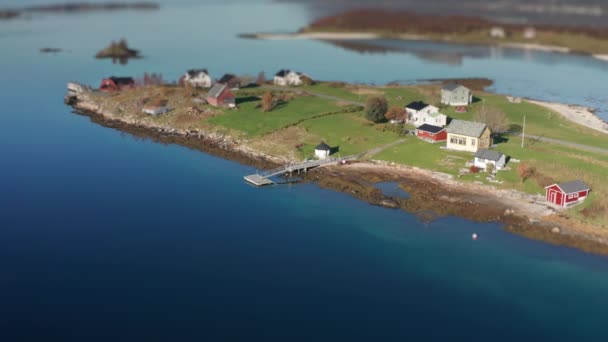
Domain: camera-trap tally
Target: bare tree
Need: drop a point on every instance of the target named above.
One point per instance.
(267, 102)
(525, 171)
(261, 78)
(494, 118)
(396, 113)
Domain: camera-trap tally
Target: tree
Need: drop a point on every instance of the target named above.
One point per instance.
(375, 108)
(525, 171)
(261, 79)
(267, 102)
(494, 118)
(490, 168)
(396, 113)
(307, 80)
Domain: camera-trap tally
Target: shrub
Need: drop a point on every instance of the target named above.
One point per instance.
(396, 113)
(267, 102)
(375, 108)
(474, 169)
(525, 171)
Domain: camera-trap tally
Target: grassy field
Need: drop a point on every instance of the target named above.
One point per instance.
(347, 133)
(254, 122)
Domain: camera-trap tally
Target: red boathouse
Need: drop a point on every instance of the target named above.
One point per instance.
(116, 84)
(567, 194)
(432, 133)
(220, 95)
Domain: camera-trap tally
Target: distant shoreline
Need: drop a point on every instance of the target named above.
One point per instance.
(76, 7)
(338, 36)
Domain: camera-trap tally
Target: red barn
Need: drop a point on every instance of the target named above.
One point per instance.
(567, 194)
(431, 133)
(116, 84)
(220, 95)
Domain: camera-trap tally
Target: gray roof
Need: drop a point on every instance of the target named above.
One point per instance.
(488, 155)
(323, 147)
(416, 105)
(196, 72)
(573, 186)
(468, 128)
(282, 72)
(216, 90)
(453, 86)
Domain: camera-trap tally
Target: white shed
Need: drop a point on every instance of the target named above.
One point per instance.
(485, 157)
(322, 150)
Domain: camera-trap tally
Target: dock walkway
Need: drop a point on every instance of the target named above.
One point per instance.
(264, 178)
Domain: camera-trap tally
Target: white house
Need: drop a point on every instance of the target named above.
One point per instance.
(485, 157)
(421, 113)
(497, 32)
(530, 33)
(456, 95)
(198, 78)
(286, 77)
(322, 150)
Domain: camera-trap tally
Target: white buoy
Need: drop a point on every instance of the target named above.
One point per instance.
(474, 236)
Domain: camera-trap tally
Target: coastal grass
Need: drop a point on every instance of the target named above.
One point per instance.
(348, 133)
(254, 122)
(419, 153)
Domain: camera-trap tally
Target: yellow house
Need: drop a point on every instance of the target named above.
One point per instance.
(468, 136)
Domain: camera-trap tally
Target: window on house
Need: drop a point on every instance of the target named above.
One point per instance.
(576, 195)
(473, 141)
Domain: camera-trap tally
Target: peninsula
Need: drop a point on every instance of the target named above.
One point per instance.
(268, 124)
(378, 23)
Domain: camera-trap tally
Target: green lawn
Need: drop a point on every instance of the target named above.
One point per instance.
(254, 122)
(416, 152)
(350, 132)
(539, 120)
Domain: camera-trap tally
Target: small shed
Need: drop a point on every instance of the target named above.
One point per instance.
(155, 110)
(113, 83)
(485, 157)
(431, 133)
(567, 194)
(322, 150)
(220, 95)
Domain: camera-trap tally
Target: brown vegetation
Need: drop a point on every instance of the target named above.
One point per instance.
(525, 171)
(409, 22)
(267, 102)
(396, 113)
(494, 118)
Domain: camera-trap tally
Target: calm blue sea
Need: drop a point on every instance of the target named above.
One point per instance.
(105, 237)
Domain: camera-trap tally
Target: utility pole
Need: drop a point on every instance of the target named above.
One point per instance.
(523, 132)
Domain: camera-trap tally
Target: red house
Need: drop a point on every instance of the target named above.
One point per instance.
(220, 95)
(432, 133)
(111, 84)
(567, 194)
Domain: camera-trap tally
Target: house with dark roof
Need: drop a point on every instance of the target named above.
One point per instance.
(456, 95)
(468, 136)
(220, 95)
(485, 157)
(286, 77)
(231, 81)
(567, 194)
(322, 150)
(431, 133)
(198, 78)
(113, 83)
(420, 113)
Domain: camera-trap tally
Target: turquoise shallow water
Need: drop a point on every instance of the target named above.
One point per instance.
(108, 237)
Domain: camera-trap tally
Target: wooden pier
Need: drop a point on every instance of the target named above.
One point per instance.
(264, 178)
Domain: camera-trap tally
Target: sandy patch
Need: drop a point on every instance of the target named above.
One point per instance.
(578, 114)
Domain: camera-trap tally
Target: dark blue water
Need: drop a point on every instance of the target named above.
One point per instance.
(105, 237)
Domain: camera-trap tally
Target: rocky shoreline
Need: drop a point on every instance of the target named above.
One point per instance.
(431, 196)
